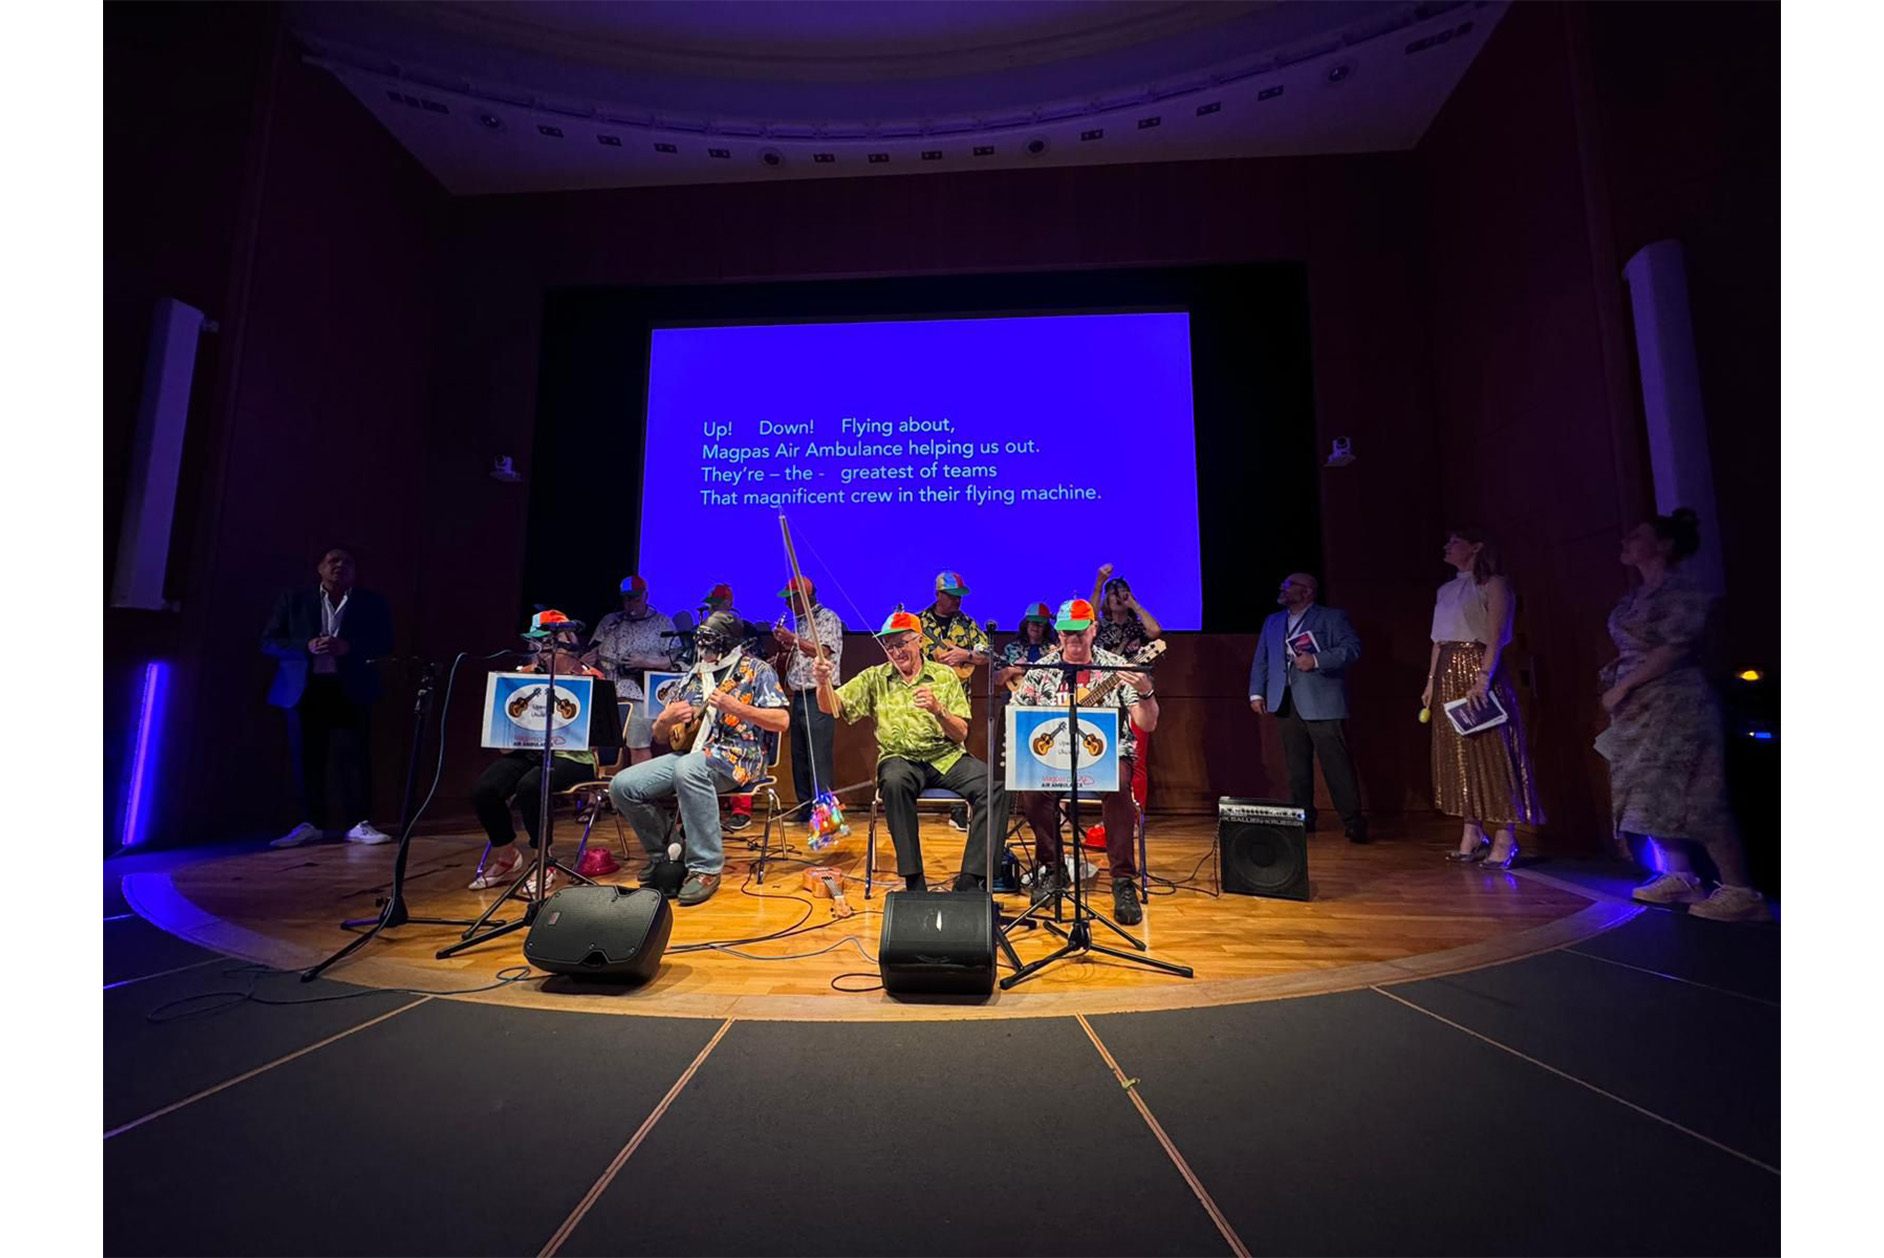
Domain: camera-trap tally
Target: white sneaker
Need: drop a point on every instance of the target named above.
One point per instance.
(303, 833)
(1733, 904)
(1670, 888)
(367, 834)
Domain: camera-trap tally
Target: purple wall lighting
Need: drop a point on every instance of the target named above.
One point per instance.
(150, 715)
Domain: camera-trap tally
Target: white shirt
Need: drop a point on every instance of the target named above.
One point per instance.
(331, 613)
(1462, 611)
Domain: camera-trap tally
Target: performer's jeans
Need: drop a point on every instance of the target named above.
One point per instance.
(813, 734)
(1302, 741)
(1042, 810)
(695, 780)
(330, 732)
(900, 781)
(520, 774)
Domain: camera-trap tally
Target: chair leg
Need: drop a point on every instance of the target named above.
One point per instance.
(765, 835)
(484, 856)
(1144, 874)
(870, 848)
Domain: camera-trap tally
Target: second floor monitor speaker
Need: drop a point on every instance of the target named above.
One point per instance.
(1262, 848)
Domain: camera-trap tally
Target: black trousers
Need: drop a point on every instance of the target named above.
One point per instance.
(520, 773)
(1302, 741)
(814, 737)
(900, 781)
(330, 734)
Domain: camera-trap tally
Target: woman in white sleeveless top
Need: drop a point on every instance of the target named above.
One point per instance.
(1484, 778)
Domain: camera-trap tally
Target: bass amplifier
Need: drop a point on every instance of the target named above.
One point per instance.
(937, 942)
(1262, 848)
(601, 932)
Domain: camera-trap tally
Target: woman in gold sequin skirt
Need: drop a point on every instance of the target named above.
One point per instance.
(1484, 778)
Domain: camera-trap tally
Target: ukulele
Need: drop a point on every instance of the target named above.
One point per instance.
(1090, 696)
(685, 734)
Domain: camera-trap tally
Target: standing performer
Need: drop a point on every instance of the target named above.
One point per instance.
(628, 641)
(1034, 644)
(813, 731)
(322, 640)
(1046, 688)
(921, 716)
(953, 639)
(737, 700)
(1126, 627)
(1306, 690)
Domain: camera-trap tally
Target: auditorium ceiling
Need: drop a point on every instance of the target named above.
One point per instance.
(518, 97)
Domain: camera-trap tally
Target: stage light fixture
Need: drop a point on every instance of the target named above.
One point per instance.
(1750, 674)
(1214, 107)
(150, 710)
(932, 155)
(1340, 71)
(721, 153)
(878, 158)
(660, 147)
(1036, 146)
(491, 121)
(824, 157)
(613, 141)
(984, 150)
(1145, 124)
(1097, 133)
(772, 157)
(1269, 93)
(554, 133)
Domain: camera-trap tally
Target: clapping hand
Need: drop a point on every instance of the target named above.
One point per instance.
(926, 700)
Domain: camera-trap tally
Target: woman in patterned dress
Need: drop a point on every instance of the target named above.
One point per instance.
(1665, 744)
(1485, 778)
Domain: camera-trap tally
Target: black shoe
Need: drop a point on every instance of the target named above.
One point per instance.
(1125, 904)
(969, 882)
(1046, 882)
(958, 819)
(915, 882)
(1357, 833)
(645, 875)
(736, 821)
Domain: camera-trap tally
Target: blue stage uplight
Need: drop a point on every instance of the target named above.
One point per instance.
(150, 711)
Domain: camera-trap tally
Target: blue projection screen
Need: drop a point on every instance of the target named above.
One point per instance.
(1020, 452)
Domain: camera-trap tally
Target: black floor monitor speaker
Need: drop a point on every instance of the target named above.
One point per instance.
(601, 932)
(937, 942)
(1262, 848)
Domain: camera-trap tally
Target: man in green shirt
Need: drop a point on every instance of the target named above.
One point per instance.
(921, 715)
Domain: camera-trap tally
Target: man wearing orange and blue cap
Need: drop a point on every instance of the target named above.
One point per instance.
(1046, 688)
(921, 715)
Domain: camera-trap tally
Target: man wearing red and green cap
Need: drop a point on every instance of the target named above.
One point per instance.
(921, 715)
(953, 639)
(814, 764)
(1046, 688)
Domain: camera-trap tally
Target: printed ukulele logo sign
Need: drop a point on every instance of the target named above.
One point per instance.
(1052, 746)
(525, 708)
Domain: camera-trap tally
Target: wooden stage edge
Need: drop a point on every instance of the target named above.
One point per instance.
(1383, 914)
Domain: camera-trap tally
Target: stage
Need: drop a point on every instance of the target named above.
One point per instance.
(1385, 912)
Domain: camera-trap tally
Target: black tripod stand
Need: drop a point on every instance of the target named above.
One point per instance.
(392, 910)
(532, 893)
(1078, 934)
(996, 825)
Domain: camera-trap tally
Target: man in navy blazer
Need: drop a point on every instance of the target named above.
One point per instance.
(1300, 676)
(322, 638)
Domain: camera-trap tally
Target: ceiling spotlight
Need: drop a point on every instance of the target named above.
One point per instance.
(1340, 70)
(491, 121)
(1097, 133)
(932, 155)
(1036, 146)
(772, 157)
(984, 150)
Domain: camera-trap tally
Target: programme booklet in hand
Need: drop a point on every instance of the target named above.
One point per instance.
(1475, 718)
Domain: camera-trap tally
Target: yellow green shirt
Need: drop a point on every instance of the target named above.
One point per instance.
(905, 731)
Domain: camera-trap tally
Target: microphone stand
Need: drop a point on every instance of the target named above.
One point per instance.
(1078, 936)
(532, 902)
(392, 910)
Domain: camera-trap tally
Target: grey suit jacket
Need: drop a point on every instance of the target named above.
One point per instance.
(1320, 695)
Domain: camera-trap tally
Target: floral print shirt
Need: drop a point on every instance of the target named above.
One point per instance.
(905, 731)
(740, 745)
(1046, 688)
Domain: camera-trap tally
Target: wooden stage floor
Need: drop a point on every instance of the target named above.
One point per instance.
(1386, 912)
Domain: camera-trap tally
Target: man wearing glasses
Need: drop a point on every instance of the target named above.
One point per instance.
(1299, 676)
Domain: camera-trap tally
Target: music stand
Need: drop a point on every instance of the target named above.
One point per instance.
(392, 910)
(532, 902)
(1078, 935)
(989, 827)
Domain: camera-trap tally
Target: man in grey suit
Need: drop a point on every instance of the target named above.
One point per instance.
(1299, 674)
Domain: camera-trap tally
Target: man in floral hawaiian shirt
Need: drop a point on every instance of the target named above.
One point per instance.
(745, 710)
(626, 642)
(921, 716)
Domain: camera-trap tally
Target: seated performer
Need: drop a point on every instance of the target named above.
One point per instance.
(921, 713)
(739, 698)
(1046, 687)
(953, 639)
(518, 774)
(1034, 644)
(746, 636)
